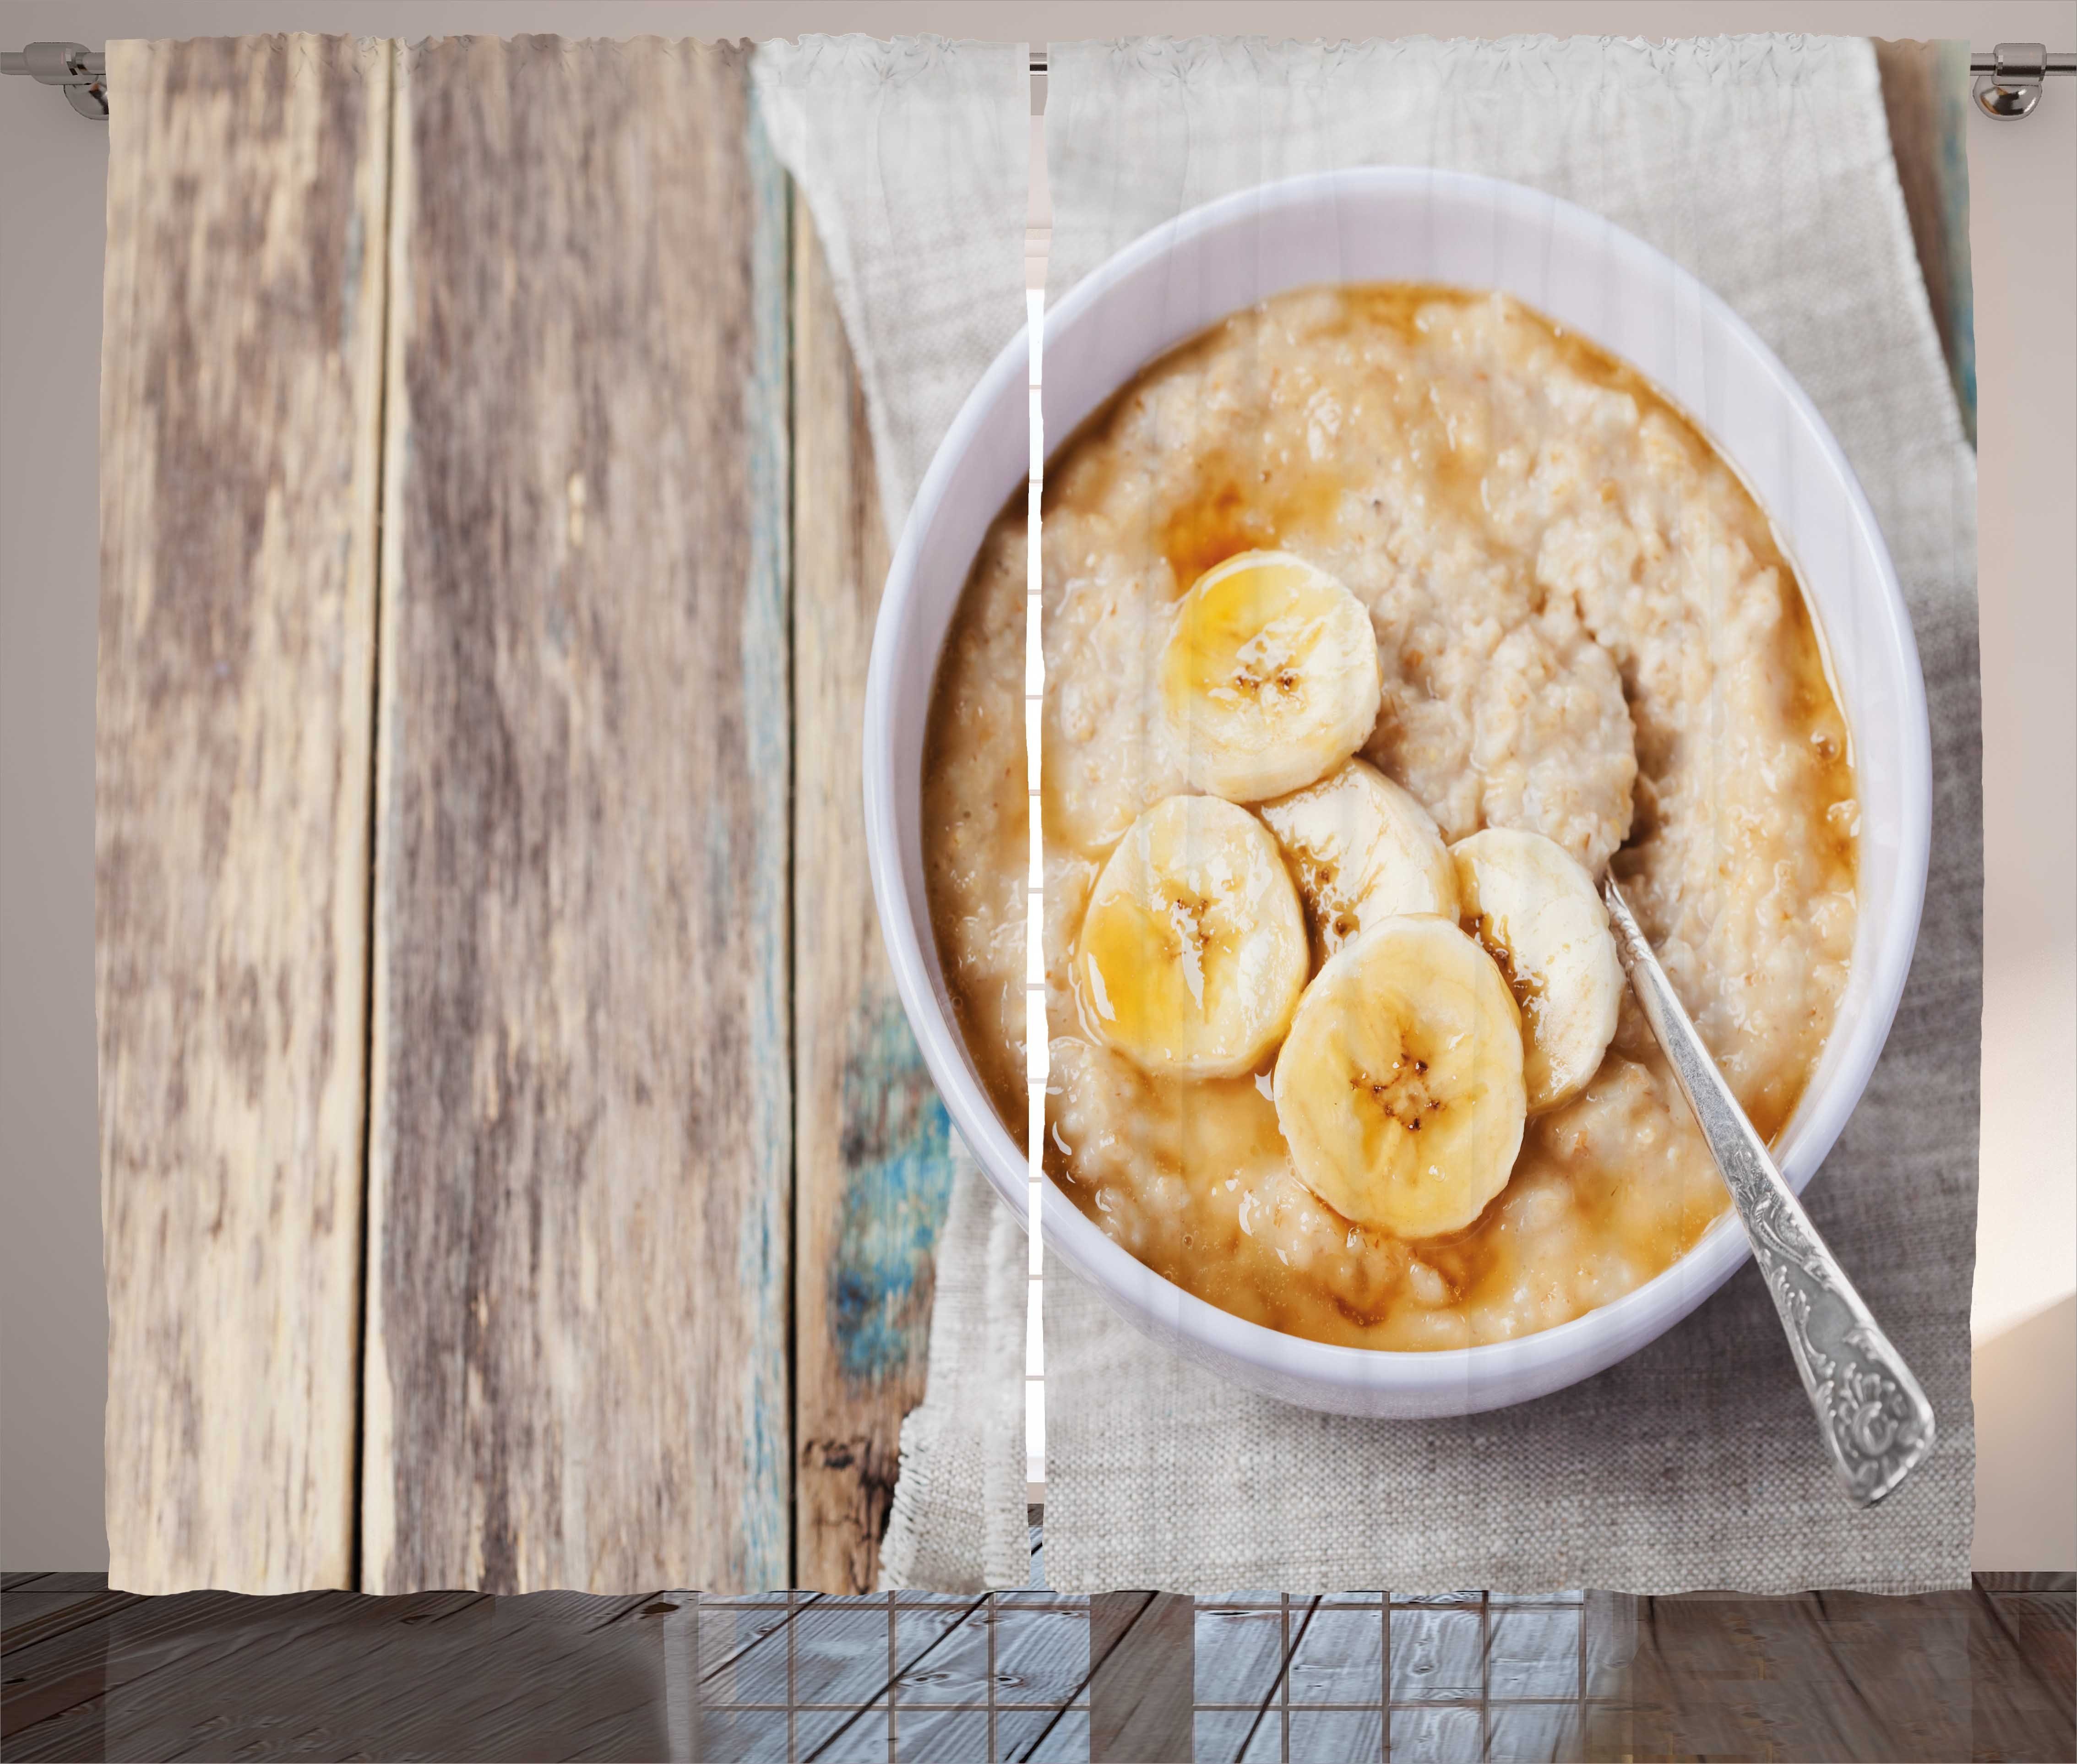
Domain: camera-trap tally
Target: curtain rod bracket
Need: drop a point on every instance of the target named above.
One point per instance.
(2008, 79)
(81, 73)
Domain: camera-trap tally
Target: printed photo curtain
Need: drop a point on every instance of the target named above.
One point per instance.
(534, 1153)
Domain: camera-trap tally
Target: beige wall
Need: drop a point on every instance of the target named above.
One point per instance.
(52, 173)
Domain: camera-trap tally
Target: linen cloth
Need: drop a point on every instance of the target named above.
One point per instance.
(1763, 165)
(915, 156)
(958, 1523)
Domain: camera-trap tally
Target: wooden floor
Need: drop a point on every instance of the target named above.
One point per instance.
(1985, 1675)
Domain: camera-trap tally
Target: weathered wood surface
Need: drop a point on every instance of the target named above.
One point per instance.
(1725, 1678)
(1142, 1676)
(872, 1163)
(241, 385)
(580, 1137)
(36, 1614)
(329, 1675)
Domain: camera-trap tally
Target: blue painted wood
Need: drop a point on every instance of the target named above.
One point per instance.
(896, 1170)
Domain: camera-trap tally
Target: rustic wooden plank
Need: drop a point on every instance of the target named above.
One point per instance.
(547, 1675)
(1816, 1678)
(33, 1616)
(2046, 1580)
(241, 384)
(1688, 1666)
(873, 1144)
(1026, 1656)
(1845, 1676)
(727, 1633)
(2040, 1630)
(1042, 1655)
(78, 1738)
(2023, 1679)
(1142, 1686)
(579, 1154)
(1908, 1660)
(1059, 1736)
(443, 1675)
(1238, 1651)
(67, 1674)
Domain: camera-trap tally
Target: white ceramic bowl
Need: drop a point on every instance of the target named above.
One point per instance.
(1392, 224)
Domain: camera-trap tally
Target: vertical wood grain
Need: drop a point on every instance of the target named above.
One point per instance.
(873, 1173)
(576, 1354)
(241, 376)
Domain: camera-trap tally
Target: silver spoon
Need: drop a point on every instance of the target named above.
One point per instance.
(1876, 1420)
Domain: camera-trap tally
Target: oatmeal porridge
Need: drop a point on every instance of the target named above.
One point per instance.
(1378, 623)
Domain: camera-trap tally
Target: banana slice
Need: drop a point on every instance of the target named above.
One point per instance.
(1193, 951)
(1399, 1088)
(1270, 678)
(1536, 911)
(1365, 850)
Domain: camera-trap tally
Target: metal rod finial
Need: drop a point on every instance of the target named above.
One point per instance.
(2008, 79)
(82, 72)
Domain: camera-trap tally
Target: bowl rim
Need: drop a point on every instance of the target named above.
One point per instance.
(1327, 1375)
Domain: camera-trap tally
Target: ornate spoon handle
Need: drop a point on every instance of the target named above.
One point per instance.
(1876, 1420)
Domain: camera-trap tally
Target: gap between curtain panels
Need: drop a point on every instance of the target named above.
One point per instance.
(392, 120)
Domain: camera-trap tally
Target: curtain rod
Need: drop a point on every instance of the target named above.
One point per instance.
(2009, 78)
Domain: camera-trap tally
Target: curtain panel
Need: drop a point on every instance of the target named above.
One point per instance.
(1343, 344)
(518, 1172)
(721, 877)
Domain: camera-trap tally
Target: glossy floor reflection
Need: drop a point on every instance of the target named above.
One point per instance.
(912, 1678)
